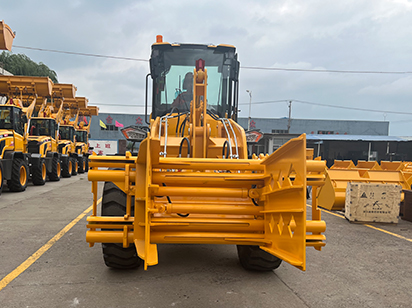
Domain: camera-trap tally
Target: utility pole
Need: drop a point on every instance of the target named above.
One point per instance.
(290, 115)
(250, 108)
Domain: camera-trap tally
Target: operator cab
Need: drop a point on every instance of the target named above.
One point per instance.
(171, 67)
(12, 118)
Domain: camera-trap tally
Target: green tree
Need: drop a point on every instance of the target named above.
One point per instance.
(19, 64)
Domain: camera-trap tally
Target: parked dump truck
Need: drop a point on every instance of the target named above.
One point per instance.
(82, 136)
(19, 96)
(67, 138)
(192, 181)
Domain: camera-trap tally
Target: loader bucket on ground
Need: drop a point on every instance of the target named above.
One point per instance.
(6, 36)
(332, 195)
(369, 165)
(393, 165)
(343, 164)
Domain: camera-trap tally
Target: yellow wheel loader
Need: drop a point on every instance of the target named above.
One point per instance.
(82, 136)
(192, 181)
(18, 104)
(45, 159)
(67, 137)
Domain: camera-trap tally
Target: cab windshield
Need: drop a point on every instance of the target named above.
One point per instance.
(11, 117)
(41, 127)
(81, 136)
(66, 133)
(6, 117)
(172, 72)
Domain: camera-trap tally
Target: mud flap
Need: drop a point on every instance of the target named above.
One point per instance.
(284, 196)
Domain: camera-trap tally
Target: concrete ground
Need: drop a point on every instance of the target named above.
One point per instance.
(359, 267)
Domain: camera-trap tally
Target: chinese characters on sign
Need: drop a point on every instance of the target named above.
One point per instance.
(103, 147)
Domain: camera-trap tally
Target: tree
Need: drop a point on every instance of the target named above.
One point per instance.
(19, 64)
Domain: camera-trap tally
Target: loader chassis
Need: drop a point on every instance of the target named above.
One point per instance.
(192, 181)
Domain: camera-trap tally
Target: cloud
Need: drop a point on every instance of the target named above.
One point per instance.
(342, 35)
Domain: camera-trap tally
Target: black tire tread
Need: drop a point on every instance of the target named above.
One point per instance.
(80, 162)
(253, 258)
(114, 255)
(37, 176)
(54, 175)
(66, 173)
(14, 182)
(75, 166)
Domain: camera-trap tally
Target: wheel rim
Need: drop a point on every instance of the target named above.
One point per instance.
(58, 170)
(23, 176)
(43, 171)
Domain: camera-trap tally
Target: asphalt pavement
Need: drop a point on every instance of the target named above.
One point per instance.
(361, 265)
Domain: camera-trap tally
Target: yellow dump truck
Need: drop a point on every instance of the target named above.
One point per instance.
(192, 181)
(82, 136)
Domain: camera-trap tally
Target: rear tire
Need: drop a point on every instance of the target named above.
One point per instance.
(19, 176)
(252, 258)
(114, 255)
(39, 173)
(56, 170)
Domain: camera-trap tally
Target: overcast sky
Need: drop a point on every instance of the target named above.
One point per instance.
(361, 35)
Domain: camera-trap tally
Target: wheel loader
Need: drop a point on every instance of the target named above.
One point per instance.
(45, 159)
(19, 96)
(82, 136)
(67, 137)
(192, 181)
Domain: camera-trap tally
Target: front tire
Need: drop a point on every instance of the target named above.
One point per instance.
(82, 164)
(1, 177)
(114, 255)
(86, 168)
(252, 258)
(56, 170)
(75, 166)
(67, 168)
(19, 176)
(39, 173)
